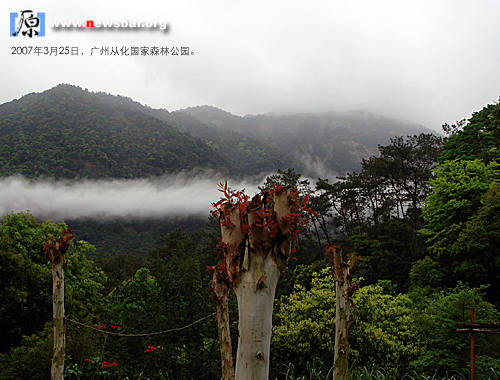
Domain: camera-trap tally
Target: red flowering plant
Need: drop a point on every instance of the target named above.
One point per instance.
(265, 218)
(153, 352)
(258, 240)
(150, 349)
(89, 368)
(106, 364)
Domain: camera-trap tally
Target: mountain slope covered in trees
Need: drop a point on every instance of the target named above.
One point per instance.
(322, 143)
(70, 133)
(246, 155)
(67, 132)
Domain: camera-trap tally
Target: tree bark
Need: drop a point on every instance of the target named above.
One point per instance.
(55, 251)
(343, 292)
(221, 284)
(220, 291)
(57, 371)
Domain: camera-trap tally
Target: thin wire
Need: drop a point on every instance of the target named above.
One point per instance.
(148, 334)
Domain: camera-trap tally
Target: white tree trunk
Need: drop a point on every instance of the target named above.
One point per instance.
(255, 295)
(55, 251)
(254, 267)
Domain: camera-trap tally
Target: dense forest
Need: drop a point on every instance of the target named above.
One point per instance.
(68, 133)
(422, 214)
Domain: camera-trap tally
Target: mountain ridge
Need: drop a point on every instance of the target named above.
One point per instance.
(322, 143)
(66, 132)
(71, 133)
(316, 144)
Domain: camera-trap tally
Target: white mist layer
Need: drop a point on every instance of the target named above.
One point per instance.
(162, 197)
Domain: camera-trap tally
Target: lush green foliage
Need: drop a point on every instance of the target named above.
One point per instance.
(457, 191)
(384, 331)
(67, 132)
(305, 322)
(410, 333)
(438, 318)
(25, 290)
(26, 284)
(168, 293)
(377, 212)
(23, 234)
(458, 230)
(461, 214)
(479, 137)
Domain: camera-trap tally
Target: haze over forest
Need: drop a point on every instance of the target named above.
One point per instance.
(68, 133)
(74, 155)
(342, 100)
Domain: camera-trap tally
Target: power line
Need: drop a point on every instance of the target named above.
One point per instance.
(139, 335)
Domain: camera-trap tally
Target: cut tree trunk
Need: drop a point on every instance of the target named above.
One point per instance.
(343, 291)
(55, 251)
(255, 260)
(255, 310)
(59, 321)
(220, 292)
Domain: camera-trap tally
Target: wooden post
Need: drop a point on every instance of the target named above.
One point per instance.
(472, 347)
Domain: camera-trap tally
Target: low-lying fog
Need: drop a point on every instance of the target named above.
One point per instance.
(161, 197)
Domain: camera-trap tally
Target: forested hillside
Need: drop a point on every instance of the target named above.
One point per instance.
(321, 143)
(67, 132)
(245, 155)
(70, 133)
(249, 155)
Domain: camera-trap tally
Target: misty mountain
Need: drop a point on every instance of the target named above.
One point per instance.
(246, 155)
(70, 133)
(67, 132)
(322, 143)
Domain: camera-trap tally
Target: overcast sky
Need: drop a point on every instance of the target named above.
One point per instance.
(428, 62)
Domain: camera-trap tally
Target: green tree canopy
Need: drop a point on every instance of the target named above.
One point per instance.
(479, 137)
(461, 224)
(457, 191)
